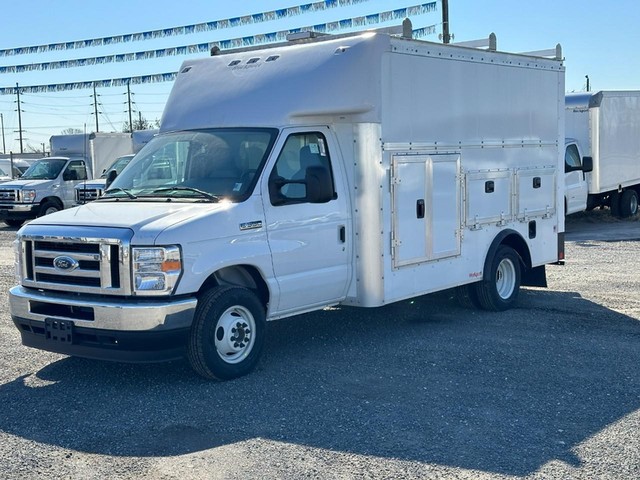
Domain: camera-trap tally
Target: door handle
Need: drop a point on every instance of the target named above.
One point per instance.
(342, 233)
(420, 208)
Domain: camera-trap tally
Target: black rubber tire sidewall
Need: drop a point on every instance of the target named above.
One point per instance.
(201, 350)
(625, 209)
(486, 290)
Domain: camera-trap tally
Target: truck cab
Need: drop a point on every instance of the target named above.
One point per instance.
(46, 187)
(93, 189)
(575, 180)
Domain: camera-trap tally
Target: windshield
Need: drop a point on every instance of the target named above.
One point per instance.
(45, 169)
(118, 165)
(207, 165)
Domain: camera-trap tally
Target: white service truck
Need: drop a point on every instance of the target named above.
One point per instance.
(361, 169)
(91, 189)
(49, 184)
(602, 156)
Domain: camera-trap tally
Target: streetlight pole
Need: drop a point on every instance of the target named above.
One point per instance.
(4, 147)
(446, 37)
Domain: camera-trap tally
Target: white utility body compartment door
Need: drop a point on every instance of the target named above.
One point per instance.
(425, 206)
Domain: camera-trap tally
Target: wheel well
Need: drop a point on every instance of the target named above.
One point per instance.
(54, 200)
(512, 239)
(241, 276)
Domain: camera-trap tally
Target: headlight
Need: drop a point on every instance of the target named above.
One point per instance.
(28, 196)
(156, 270)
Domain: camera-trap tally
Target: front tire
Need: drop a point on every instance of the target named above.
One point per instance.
(227, 334)
(13, 222)
(48, 208)
(500, 290)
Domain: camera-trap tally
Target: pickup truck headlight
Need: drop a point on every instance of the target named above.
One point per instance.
(156, 270)
(28, 196)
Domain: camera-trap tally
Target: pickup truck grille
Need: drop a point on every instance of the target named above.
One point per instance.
(9, 195)
(84, 195)
(80, 264)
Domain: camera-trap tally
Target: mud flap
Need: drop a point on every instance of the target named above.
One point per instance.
(535, 277)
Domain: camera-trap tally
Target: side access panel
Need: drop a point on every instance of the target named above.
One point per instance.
(425, 207)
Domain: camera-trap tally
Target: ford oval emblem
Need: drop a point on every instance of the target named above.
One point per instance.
(65, 263)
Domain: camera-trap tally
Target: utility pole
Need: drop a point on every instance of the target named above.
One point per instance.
(446, 37)
(95, 106)
(129, 103)
(19, 118)
(4, 147)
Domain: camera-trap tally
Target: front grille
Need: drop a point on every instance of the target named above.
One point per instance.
(88, 265)
(84, 195)
(9, 195)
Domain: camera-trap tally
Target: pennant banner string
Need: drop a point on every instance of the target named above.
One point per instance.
(222, 44)
(185, 29)
(136, 80)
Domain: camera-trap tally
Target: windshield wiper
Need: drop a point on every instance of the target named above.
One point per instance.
(202, 193)
(118, 189)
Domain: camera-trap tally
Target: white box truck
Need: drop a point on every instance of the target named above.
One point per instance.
(362, 170)
(49, 184)
(91, 189)
(602, 158)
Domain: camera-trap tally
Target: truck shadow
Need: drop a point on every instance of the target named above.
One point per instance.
(421, 380)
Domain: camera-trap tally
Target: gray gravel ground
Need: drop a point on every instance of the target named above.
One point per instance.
(418, 389)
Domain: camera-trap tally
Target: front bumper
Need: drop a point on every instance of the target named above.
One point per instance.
(114, 329)
(19, 211)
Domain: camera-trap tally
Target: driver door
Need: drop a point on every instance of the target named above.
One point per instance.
(309, 241)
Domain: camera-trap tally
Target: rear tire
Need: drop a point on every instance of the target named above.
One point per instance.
(500, 290)
(227, 334)
(467, 296)
(628, 203)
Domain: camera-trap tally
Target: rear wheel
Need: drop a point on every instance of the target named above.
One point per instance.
(500, 290)
(227, 334)
(467, 296)
(628, 203)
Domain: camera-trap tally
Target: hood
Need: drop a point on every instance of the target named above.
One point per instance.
(147, 219)
(96, 183)
(26, 183)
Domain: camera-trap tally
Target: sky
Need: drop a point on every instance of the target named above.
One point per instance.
(599, 39)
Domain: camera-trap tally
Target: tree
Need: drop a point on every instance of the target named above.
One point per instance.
(141, 124)
(70, 131)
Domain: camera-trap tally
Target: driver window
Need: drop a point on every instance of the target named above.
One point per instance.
(287, 182)
(75, 171)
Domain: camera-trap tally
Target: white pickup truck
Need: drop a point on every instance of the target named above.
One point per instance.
(360, 169)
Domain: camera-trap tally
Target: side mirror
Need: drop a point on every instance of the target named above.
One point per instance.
(587, 164)
(111, 176)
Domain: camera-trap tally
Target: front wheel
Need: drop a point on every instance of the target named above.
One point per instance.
(13, 222)
(499, 291)
(227, 334)
(48, 208)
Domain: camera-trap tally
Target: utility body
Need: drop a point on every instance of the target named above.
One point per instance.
(602, 157)
(359, 170)
(47, 186)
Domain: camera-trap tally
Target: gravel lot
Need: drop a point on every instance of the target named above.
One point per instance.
(418, 389)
